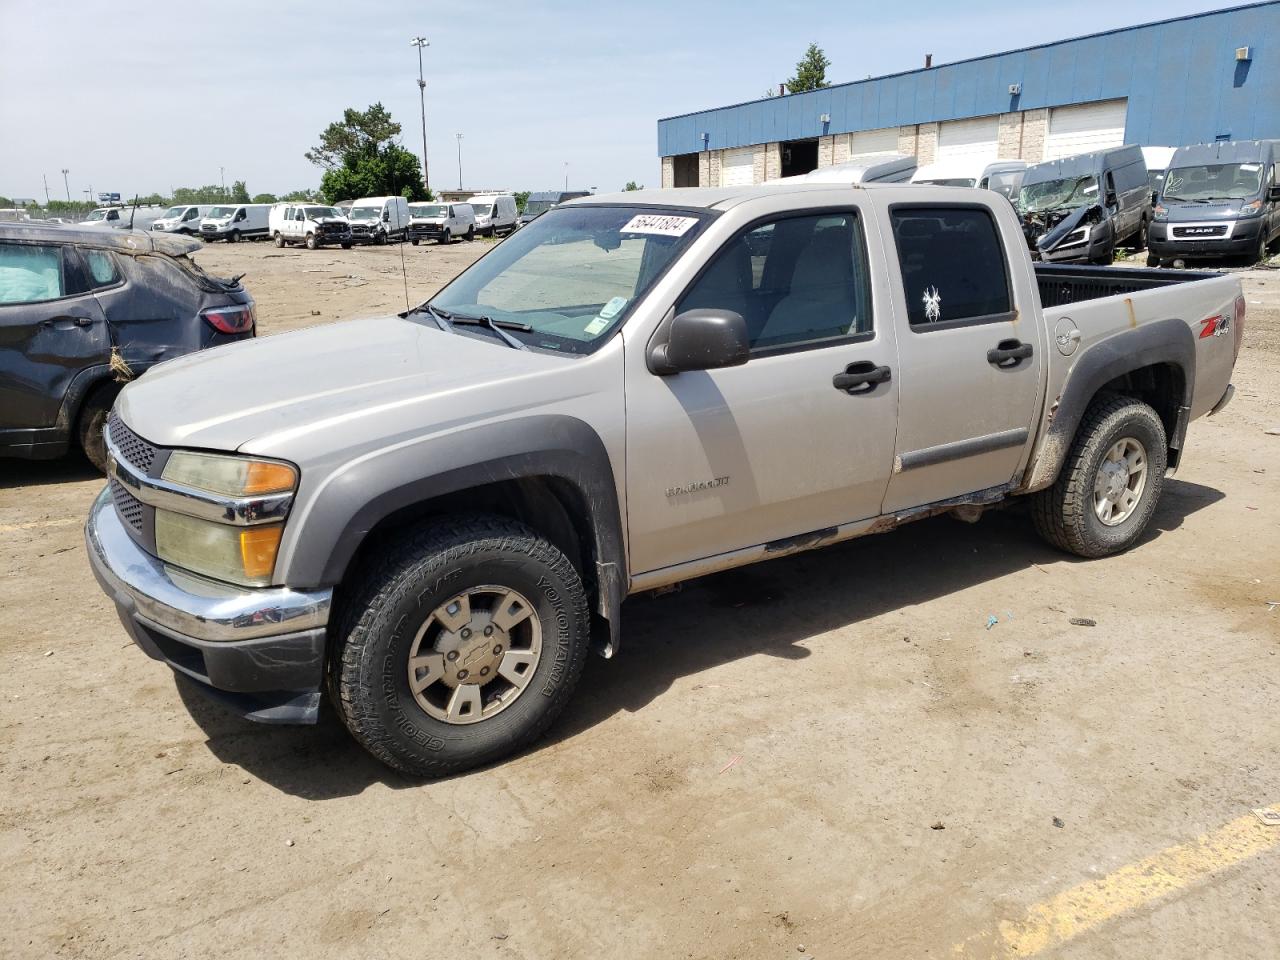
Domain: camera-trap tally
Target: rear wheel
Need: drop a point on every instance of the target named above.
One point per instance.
(93, 421)
(460, 646)
(1110, 484)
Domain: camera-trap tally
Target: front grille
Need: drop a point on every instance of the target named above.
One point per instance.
(136, 452)
(127, 505)
(1213, 231)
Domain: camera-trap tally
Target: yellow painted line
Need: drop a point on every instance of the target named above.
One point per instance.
(1089, 905)
(38, 524)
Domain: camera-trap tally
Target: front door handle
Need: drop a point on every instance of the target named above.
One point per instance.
(1007, 354)
(861, 377)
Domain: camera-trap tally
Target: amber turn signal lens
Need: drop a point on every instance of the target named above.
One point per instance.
(258, 546)
(263, 477)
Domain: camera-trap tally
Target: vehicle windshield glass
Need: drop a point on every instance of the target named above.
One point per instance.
(1155, 179)
(1215, 181)
(572, 274)
(1062, 194)
(364, 213)
(1005, 184)
(173, 212)
(428, 210)
(950, 182)
(481, 209)
(218, 212)
(97, 215)
(538, 206)
(316, 212)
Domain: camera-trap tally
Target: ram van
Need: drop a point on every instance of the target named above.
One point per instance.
(495, 213)
(235, 222)
(379, 219)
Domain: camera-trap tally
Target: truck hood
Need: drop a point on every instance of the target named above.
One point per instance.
(261, 394)
(1188, 211)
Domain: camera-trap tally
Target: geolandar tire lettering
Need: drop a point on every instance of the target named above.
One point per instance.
(1111, 481)
(461, 644)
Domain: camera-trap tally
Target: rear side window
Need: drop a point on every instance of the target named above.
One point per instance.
(103, 271)
(954, 271)
(797, 281)
(30, 274)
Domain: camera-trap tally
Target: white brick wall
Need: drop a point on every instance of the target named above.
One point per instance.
(772, 161)
(668, 172)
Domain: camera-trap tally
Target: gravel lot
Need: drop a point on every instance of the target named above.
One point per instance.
(830, 755)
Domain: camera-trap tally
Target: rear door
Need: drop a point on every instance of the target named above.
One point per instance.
(51, 328)
(970, 382)
(771, 451)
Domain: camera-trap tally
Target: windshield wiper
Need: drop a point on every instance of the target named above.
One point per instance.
(437, 316)
(500, 327)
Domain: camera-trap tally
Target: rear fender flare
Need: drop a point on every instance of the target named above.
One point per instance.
(1162, 342)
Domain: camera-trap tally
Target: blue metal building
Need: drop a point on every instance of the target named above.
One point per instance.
(1192, 79)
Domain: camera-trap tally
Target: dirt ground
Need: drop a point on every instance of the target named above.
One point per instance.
(835, 755)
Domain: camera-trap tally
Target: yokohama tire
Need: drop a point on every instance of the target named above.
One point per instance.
(1065, 514)
(393, 598)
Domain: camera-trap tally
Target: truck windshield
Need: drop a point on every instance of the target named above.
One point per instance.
(363, 213)
(481, 209)
(1217, 181)
(316, 213)
(428, 210)
(218, 212)
(96, 215)
(173, 212)
(1058, 194)
(565, 281)
(538, 206)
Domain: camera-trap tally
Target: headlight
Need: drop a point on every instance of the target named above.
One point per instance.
(1161, 212)
(1251, 209)
(243, 553)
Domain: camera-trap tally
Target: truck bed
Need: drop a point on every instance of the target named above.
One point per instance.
(1062, 284)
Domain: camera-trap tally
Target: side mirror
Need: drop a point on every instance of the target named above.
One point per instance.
(1155, 197)
(1112, 200)
(386, 216)
(702, 340)
(1273, 193)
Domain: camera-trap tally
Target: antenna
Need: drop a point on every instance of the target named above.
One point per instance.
(403, 272)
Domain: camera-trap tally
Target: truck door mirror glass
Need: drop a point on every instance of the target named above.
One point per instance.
(1273, 193)
(702, 339)
(386, 216)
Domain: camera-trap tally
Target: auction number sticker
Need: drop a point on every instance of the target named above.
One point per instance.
(659, 225)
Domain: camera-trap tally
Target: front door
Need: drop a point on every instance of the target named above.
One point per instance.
(51, 328)
(971, 363)
(719, 460)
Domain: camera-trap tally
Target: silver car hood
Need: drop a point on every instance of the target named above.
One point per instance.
(286, 395)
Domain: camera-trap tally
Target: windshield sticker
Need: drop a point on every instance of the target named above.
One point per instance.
(659, 225)
(595, 326)
(612, 308)
(932, 305)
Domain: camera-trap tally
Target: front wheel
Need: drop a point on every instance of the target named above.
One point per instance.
(444, 237)
(1262, 244)
(382, 239)
(346, 244)
(233, 236)
(1140, 243)
(93, 421)
(1110, 484)
(414, 241)
(471, 233)
(311, 241)
(279, 240)
(1152, 260)
(459, 646)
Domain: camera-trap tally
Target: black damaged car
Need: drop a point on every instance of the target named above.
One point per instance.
(83, 311)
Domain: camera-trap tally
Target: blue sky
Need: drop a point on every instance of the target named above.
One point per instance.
(141, 97)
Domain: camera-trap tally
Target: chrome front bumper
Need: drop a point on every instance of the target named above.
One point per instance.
(261, 651)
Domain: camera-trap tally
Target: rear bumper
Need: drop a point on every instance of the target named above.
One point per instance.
(259, 651)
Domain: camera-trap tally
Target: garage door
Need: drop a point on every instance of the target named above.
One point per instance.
(974, 139)
(737, 168)
(884, 140)
(1084, 128)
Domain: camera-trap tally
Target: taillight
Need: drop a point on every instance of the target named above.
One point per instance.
(1239, 325)
(234, 319)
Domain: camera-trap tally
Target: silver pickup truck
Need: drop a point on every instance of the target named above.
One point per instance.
(433, 516)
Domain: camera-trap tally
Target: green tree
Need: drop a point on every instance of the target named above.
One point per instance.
(213, 193)
(5, 202)
(522, 199)
(239, 192)
(811, 71)
(264, 198)
(632, 185)
(293, 196)
(362, 158)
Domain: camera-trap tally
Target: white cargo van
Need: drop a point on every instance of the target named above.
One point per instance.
(379, 219)
(182, 218)
(441, 222)
(495, 213)
(312, 224)
(122, 218)
(233, 222)
(1002, 176)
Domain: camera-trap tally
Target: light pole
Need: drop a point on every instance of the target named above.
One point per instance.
(222, 177)
(65, 171)
(566, 176)
(459, 137)
(45, 178)
(421, 42)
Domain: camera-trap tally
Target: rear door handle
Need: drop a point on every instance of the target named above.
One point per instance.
(1007, 354)
(861, 377)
